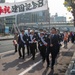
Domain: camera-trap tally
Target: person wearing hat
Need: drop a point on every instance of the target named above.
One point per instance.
(21, 43)
(42, 46)
(32, 42)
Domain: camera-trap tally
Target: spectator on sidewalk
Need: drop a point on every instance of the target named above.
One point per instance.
(65, 39)
(72, 37)
(15, 41)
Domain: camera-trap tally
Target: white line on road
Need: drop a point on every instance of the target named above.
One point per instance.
(28, 69)
(7, 52)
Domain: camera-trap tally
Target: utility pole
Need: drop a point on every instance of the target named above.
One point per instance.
(48, 14)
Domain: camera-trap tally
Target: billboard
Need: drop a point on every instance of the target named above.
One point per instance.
(9, 9)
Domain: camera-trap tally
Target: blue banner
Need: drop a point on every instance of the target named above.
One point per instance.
(6, 30)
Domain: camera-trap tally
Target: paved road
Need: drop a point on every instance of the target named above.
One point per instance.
(11, 65)
(6, 45)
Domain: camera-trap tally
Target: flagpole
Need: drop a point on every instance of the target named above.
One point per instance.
(16, 21)
(48, 14)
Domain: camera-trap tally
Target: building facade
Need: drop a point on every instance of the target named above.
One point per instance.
(2, 1)
(56, 18)
(23, 21)
(34, 18)
(2, 20)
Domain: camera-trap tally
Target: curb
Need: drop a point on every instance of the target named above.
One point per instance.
(6, 39)
(71, 67)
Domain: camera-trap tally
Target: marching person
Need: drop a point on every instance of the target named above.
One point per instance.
(42, 46)
(36, 36)
(52, 48)
(59, 40)
(32, 42)
(22, 43)
(27, 42)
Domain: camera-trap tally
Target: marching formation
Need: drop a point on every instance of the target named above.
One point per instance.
(44, 42)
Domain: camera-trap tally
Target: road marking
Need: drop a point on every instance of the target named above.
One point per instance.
(28, 69)
(6, 52)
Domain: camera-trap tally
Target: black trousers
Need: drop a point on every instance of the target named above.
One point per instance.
(36, 46)
(15, 47)
(21, 54)
(28, 49)
(32, 48)
(54, 53)
(43, 52)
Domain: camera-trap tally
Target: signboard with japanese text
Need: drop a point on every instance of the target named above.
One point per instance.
(9, 9)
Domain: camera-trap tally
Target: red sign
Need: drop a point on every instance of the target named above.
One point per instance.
(5, 9)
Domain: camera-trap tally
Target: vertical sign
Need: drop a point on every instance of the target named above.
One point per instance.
(6, 30)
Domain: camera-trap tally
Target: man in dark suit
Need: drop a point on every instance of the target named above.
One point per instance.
(27, 42)
(73, 37)
(21, 42)
(53, 47)
(32, 42)
(42, 46)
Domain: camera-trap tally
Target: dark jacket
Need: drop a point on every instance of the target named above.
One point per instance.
(20, 42)
(54, 41)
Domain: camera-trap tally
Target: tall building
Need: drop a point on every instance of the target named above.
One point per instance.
(9, 21)
(52, 19)
(56, 18)
(60, 19)
(33, 18)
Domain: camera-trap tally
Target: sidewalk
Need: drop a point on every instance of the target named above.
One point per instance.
(71, 67)
(9, 37)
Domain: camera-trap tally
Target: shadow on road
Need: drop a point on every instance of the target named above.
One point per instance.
(6, 55)
(45, 71)
(11, 64)
(28, 63)
(37, 68)
(20, 63)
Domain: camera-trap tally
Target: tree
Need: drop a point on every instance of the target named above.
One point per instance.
(70, 5)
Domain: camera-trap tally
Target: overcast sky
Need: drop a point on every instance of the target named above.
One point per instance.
(55, 6)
